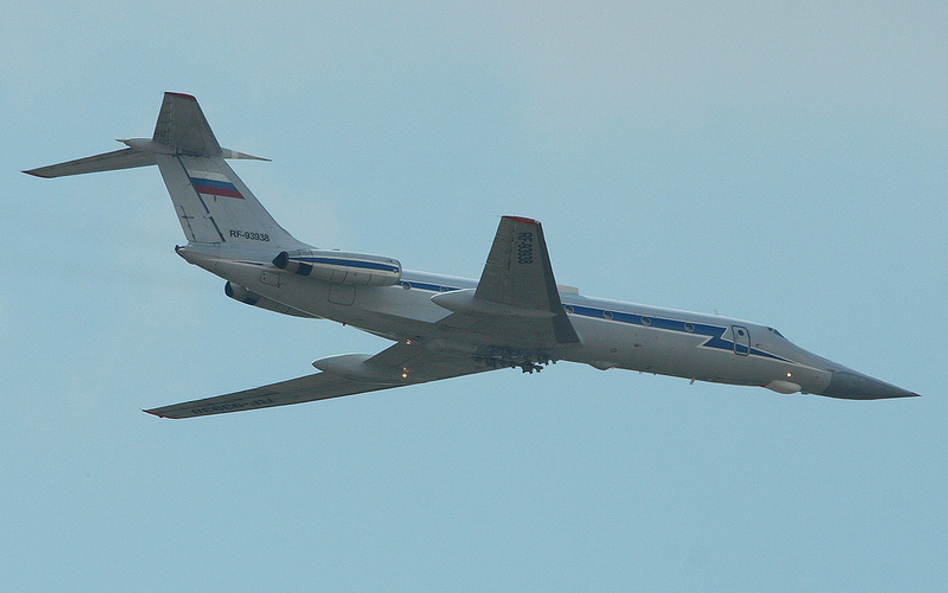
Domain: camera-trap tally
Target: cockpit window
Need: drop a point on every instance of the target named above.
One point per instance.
(773, 331)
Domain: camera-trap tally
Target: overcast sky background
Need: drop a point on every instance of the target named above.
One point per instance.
(782, 162)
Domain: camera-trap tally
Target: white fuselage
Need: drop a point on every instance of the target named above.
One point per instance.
(613, 334)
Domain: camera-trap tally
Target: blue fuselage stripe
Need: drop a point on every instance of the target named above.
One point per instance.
(349, 263)
(713, 334)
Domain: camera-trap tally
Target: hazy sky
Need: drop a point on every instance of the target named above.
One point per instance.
(782, 162)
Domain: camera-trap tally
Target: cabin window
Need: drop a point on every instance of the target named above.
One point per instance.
(646, 321)
(607, 314)
(568, 309)
(689, 327)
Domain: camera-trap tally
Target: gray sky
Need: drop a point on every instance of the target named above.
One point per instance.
(785, 163)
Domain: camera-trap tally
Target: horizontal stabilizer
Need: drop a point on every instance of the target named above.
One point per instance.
(233, 154)
(182, 129)
(127, 158)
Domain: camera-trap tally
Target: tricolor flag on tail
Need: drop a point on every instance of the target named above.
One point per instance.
(215, 187)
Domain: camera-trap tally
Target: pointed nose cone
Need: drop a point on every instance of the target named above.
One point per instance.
(853, 385)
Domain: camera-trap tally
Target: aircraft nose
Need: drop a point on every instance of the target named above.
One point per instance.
(853, 385)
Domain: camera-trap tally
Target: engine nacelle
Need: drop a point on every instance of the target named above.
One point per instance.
(239, 293)
(339, 267)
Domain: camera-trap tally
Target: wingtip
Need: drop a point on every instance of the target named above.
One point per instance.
(35, 173)
(154, 413)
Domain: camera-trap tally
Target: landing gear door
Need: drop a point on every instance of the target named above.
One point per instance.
(742, 341)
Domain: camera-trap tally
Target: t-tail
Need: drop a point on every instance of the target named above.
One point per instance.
(213, 205)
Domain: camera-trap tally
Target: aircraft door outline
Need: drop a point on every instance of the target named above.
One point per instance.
(741, 337)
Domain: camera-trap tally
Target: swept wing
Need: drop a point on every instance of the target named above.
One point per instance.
(398, 365)
(516, 303)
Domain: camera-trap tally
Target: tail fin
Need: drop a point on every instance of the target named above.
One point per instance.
(213, 205)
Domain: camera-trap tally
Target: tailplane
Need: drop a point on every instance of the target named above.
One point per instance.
(212, 204)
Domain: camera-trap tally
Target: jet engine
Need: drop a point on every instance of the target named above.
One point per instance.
(339, 267)
(239, 293)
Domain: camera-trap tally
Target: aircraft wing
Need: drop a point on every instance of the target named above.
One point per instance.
(516, 303)
(405, 363)
(518, 273)
(515, 308)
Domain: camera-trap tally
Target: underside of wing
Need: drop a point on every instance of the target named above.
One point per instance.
(514, 318)
(294, 391)
(398, 365)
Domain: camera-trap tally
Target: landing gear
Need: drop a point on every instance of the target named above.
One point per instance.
(527, 362)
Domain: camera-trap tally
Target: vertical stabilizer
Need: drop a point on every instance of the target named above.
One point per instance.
(212, 204)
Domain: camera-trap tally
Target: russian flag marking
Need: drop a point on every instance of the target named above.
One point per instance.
(215, 188)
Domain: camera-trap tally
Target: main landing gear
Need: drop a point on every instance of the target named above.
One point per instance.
(526, 362)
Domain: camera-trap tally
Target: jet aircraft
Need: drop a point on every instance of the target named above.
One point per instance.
(514, 316)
